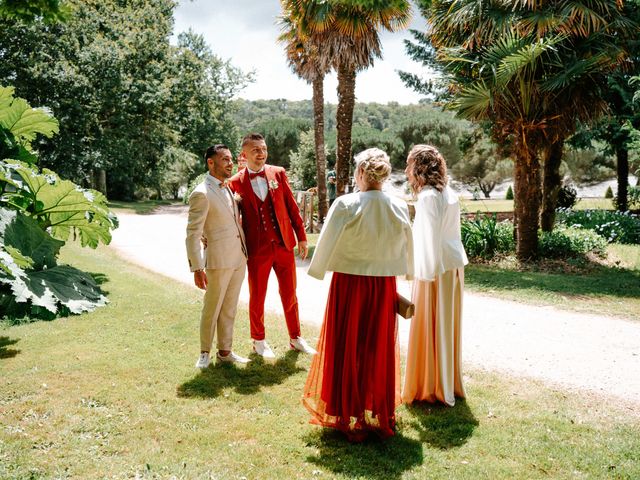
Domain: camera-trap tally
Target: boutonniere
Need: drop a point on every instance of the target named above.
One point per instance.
(237, 197)
(273, 184)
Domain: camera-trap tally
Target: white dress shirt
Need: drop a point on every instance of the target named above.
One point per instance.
(436, 234)
(259, 184)
(365, 233)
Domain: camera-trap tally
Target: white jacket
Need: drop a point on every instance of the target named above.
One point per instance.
(365, 233)
(436, 234)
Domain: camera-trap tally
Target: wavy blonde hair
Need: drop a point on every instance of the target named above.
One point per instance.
(427, 167)
(374, 165)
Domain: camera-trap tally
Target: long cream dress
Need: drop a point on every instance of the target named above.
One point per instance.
(434, 356)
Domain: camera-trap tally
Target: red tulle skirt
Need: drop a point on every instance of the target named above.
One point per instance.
(354, 380)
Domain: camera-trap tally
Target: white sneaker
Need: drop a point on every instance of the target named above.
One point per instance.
(261, 347)
(231, 358)
(301, 345)
(203, 360)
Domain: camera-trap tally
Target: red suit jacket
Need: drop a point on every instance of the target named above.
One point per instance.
(285, 207)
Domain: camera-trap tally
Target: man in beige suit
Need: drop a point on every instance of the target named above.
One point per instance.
(214, 215)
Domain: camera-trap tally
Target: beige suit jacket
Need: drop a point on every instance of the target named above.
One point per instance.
(212, 216)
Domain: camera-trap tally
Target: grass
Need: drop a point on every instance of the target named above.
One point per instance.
(113, 394)
(143, 207)
(501, 205)
(604, 288)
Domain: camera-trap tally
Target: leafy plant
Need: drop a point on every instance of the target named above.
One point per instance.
(567, 197)
(485, 237)
(614, 226)
(570, 242)
(30, 278)
(633, 197)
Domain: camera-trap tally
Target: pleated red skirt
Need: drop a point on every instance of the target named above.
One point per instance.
(354, 380)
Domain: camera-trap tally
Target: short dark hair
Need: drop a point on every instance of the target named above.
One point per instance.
(213, 151)
(250, 137)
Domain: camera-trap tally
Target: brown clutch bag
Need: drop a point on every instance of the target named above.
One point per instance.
(404, 307)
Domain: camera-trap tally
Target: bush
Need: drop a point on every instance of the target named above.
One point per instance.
(509, 195)
(633, 198)
(615, 227)
(485, 237)
(567, 197)
(570, 242)
(192, 185)
(608, 193)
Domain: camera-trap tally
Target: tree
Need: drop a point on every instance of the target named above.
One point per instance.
(309, 60)
(303, 163)
(532, 70)
(481, 164)
(282, 136)
(349, 34)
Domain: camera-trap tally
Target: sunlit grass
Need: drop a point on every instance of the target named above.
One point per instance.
(113, 394)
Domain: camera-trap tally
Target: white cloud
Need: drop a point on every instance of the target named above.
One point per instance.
(246, 32)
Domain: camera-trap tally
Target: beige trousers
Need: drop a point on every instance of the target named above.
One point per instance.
(220, 305)
(434, 353)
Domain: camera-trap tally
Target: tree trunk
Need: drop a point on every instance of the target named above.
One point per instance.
(102, 182)
(321, 159)
(344, 122)
(526, 203)
(622, 154)
(551, 184)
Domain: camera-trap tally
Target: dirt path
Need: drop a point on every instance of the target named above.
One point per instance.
(588, 352)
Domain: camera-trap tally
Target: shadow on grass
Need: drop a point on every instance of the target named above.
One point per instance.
(441, 426)
(99, 278)
(7, 352)
(374, 458)
(595, 280)
(246, 380)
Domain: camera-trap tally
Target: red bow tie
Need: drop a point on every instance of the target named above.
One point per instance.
(253, 175)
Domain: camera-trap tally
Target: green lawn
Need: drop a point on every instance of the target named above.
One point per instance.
(142, 207)
(501, 205)
(609, 289)
(113, 394)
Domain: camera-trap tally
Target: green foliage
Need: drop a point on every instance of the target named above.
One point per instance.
(634, 197)
(31, 280)
(303, 163)
(192, 185)
(31, 10)
(179, 167)
(567, 196)
(485, 237)
(565, 242)
(609, 192)
(614, 226)
(509, 195)
(282, 136)
(588, 165)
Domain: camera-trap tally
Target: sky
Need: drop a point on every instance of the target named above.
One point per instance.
(246, 32)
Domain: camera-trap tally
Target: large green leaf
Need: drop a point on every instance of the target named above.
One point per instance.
(27, 239)
(63, 206)
(24, 122)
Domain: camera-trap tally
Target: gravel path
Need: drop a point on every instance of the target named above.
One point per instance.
(567, 349)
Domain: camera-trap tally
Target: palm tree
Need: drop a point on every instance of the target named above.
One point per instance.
(347, 33)
(531, 68)
(308, 60)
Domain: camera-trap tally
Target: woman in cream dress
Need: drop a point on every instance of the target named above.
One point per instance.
(434, 354)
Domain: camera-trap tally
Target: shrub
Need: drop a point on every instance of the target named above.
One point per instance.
(192, 185)
(509, 195)
(485, 237)
(608, 193)
(570, 242)
(633, 197)
(615, 227)
(567, 197)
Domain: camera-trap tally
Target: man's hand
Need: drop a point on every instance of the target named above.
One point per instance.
(204, 241)
(200, 279)
(303, 250)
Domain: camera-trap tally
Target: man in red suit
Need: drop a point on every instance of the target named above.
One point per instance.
(271, 222)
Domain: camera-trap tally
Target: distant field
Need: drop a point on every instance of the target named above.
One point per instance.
(501, 205)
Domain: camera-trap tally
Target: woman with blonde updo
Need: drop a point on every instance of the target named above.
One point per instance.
(354, 380)
(434, 370)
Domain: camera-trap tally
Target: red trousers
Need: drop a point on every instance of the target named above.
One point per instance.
(259, 265)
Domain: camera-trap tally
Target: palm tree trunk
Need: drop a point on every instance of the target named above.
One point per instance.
(526, 203)
(321, 159)
(622, 167)
(344, 122)
(551, 184)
